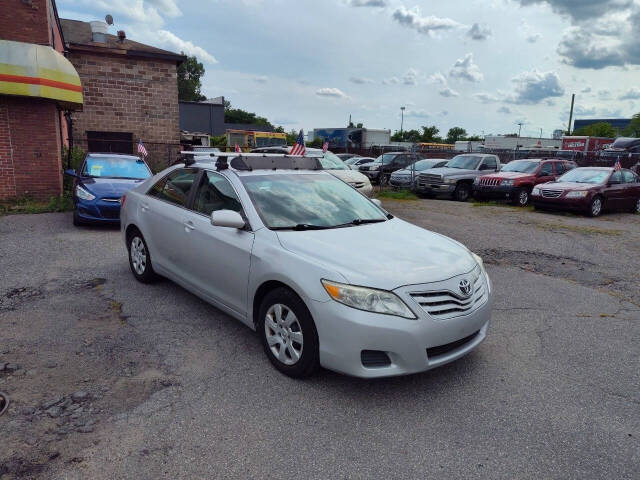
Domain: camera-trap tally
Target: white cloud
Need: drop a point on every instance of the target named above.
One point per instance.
(360, 80)
(484, 97)
(534, 37)
(330, 92)
(410, 78)
(425, 25)
(391, 81)
(479, 32)
(367, 3)
(448, 92)
(261, 79)
(465, 69)
(416, 113)
(172, 42)
(505, 110)
(535, 86)
(438, 78)
(632, 94)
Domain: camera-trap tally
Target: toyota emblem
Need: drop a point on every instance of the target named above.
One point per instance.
(465, 287)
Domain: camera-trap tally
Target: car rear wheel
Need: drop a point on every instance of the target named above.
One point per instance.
(521, 197)
(288, 333)
(636, 208)
(140, 259)
(595, 207)
(462, 192)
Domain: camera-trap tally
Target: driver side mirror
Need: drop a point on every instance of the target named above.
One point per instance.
(377, 202)
(227, 218)
(70, 172)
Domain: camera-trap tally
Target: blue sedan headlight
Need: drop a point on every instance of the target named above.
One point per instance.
(83, 194)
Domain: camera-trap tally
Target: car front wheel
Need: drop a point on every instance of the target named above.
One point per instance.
(521, 197)
(636, 207)
(595, 207)
(288, 333)
(140, 259)
(462, 192)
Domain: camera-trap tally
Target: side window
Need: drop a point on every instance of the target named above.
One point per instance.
(559, 166)
(616, 177)
(489, 164)
(546, 170)
(570, 165)
(629, 177)
(175, 187)
(216, 193)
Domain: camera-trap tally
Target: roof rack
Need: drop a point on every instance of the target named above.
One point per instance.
(284, 162)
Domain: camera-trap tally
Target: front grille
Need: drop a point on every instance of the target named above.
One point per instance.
(490, 182)
(551, 193)
(374, 359)
(448, 347)
(111, 213)
(429, 178)
(443, 304)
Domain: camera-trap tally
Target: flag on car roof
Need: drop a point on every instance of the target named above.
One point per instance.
(141, 149)
(325, 147)
(238, 149)
(299, 148)
(618, 165)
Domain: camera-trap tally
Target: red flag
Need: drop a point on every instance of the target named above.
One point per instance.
(238, 149)
(299, 148)
(618, 165)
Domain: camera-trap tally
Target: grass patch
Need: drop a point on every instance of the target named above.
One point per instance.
(580, 229)
(27, 205)
(397, 195)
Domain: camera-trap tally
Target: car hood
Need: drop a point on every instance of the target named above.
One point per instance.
(450, 172)
(569, 186)
(398, 253)
(508, 175)
(109, 187)
(405, 171)
(349, 176)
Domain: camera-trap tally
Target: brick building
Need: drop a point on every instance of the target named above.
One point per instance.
(130, 93)
(37, 86)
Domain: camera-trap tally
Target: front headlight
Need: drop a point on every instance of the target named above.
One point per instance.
(507, 183)
(476, 181)
(577, 194)
(535, 191)
(83, 194)
(449, 180)
(374, 167)
(368, 299)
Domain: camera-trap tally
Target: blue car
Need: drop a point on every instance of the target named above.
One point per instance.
(100, 184)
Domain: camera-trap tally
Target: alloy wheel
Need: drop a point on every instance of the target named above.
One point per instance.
(596, 206)
(138, 255)
(284, 334)
(523, 197)
(638, 206)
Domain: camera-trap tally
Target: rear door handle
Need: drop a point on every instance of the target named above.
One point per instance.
(144, 206)
(188, 226)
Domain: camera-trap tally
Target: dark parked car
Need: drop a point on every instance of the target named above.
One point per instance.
(346, 156)
(101, 182)
(591, 190)
(387, 163)
(517, 178)
(355, 162)
(407, 177)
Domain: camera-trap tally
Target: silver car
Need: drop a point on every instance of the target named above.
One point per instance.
(274, 242)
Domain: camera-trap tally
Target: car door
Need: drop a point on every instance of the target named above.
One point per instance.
(558, 169)
(615, 191)
(489, 164)
(218, 257)
(164, 209)
(632, 189)
(545, 174)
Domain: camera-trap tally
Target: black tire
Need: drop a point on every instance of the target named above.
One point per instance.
(462, 192)
(76, 220)
(143, 271)
(309, 360)
(594, 210)
(636, 206)
(522, 197)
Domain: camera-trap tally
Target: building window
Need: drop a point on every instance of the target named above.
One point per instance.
(110, 142)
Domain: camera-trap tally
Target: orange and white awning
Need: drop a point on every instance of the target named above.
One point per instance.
(31, 70)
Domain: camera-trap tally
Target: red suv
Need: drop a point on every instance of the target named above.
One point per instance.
(516, 179)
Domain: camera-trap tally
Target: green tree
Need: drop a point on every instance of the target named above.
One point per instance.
(189, 73)
(473, 138)
(237, 115)
(430, 134)
(455, 134)
(633, 129)
(600, 129)
(406, 136)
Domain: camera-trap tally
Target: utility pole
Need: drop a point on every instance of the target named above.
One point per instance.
(573, 98)
(541, 134)
(401, 120)
(519, 128)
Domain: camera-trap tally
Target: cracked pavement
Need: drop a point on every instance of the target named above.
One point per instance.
(177, 389)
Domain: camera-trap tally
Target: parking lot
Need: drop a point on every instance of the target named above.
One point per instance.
(109, 378)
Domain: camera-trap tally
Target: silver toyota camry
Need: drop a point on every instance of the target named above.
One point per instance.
(274, 241)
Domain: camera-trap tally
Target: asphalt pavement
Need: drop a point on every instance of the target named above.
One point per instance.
(177, 389)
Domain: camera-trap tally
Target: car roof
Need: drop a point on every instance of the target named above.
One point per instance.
(209, 163)
(594, 168)
(106, 155)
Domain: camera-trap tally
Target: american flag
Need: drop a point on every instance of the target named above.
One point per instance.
(238, 150)
(618, 165)
(299, 148)
(141, 148)
(325, 147)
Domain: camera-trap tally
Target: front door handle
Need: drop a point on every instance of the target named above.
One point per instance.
(144, 207)
(188, 226)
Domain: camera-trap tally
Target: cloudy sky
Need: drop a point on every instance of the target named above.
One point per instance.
(484, 65)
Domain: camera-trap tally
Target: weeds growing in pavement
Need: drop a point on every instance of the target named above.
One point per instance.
(397, 195)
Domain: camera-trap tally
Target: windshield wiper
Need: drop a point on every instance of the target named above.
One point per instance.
(303, 226)
(361, 221)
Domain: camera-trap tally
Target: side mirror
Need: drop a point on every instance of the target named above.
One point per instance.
(227, 218)
(377, 202)
(70, 172)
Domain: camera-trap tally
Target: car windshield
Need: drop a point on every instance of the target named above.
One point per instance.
(466, 162)
(309, 201)
(386, 158)
(585, 175)
(330, 161)
(422, 165)
(522, 166)
(116, 167)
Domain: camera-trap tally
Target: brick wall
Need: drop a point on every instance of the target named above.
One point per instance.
(125, 94)
(30, 159)
(25, 21)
